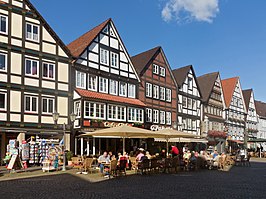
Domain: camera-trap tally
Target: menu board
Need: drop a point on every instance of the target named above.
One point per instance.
(12, 162)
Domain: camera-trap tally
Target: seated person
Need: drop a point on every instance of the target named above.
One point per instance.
(215, 153)
(140, 155)
(103, 159)
(148, 155)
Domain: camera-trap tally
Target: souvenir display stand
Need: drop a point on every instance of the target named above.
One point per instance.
(51, 162)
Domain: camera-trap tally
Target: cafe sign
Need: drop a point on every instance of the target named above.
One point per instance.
(157, 127)
(115, 124)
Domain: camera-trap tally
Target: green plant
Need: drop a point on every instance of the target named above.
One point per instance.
(136, 124)
(69, 155)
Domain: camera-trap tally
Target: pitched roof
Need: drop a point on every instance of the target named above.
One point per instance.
(47, 26)
(141, 60)
(107, 97)
(229, 86)
(77, 46)
(260, 108)
(180, 74)
(206, 83)
(247, 96)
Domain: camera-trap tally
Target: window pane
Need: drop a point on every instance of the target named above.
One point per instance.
(27, 108)
(3, 24)
(51, 106)
(2, 100)
(45, 70)
(51, 70)
(29, 32)
(2, 62)
(34, 68)
(44, 105)
(34, 104)
(28, 67)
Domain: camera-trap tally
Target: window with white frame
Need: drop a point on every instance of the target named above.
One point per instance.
(189, 103)
(162, 71)
(194, 126)
(3, 101)
(184, 102)
(92, 82)
(184, 123)
(3, 24)
(190, 82)
(155, 91)
(77, 109)
(149, 115)
(80, 79)
(123, 89)
(162, 93)
(162, 117)
(135, 115)
(131, 90)
(104, 56)
(168, 95)
(113, 87)
(31, 103)
(148, 89)
(168, 118)
(116, 113)
(194, 104)
(155, 69)
(48, 70)
(155, 116)
(31, 67)
(114, 60)
(189, 123)
(3, 62)
(47, 105)
(94, 110)
(32, 32)
(103, 85)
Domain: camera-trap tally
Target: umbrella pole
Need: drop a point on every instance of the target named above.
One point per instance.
(124, 145)
(167, 147)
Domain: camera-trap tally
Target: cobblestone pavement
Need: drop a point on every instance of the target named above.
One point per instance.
(239, 182)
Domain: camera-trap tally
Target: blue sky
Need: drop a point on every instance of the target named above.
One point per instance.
(213, 35)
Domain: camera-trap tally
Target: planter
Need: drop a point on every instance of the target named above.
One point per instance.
(69, 163)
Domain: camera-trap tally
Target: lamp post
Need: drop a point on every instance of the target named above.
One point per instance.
(72, 119)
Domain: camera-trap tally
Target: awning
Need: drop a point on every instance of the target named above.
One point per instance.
(187, 140)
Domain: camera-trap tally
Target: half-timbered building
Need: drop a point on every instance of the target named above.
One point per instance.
(235, 109)
(106, 84)
(34, 74)
(252, 119)
(188, 101)
(157, 90)
(212, 109)
(261, 114)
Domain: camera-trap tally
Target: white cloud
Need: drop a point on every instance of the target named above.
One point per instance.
(188, 10)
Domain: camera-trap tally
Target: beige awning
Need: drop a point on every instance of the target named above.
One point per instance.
(187, 140)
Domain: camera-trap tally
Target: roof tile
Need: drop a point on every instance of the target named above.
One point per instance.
(77, 46)
(229, 86)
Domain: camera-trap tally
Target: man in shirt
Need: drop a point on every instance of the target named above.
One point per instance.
(103, 159)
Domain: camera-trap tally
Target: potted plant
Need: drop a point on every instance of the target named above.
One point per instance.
(69, 156)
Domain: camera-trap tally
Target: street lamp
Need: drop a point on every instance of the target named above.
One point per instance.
(72, 119)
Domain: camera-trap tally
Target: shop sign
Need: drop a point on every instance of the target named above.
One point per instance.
(47, 140)
(114, 124)
(157, 127)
